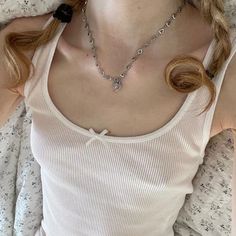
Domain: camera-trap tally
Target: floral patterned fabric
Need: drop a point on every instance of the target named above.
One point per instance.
(11, 9)
(207, 211)
(20, 182)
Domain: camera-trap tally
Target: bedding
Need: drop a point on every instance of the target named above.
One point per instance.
(207, 211)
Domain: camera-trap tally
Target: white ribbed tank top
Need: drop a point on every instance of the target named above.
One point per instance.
(99, 185)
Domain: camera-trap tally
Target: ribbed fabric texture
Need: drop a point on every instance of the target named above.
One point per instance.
(100, 185)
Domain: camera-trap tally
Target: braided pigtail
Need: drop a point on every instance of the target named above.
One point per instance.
(17, 64)
(186, 73)
(213, 12)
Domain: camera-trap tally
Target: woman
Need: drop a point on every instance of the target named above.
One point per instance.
(118, 155)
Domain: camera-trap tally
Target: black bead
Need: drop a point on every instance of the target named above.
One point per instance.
(64, 13)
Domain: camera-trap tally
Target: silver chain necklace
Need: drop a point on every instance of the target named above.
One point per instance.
(117, 80)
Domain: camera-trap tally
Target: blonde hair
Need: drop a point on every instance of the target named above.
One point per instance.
(184, 73)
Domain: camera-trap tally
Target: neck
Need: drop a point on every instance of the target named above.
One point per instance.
(129, 22)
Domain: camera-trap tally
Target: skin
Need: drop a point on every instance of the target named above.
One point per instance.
(145, 103)
(136, 20)
(145, 92)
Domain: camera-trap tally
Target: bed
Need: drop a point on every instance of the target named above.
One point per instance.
(207, 211)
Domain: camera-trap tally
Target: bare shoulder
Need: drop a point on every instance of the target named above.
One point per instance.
(19, 25)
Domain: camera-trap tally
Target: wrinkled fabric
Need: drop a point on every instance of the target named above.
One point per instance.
(20, 186)
(20, 182)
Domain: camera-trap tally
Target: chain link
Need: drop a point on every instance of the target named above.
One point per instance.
(117, 80)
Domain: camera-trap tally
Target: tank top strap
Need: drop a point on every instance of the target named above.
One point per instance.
(41, 58)
(218, 81)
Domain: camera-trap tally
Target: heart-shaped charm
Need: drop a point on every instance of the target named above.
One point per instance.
(117, 84)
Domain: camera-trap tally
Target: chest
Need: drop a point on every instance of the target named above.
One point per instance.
(144, 104)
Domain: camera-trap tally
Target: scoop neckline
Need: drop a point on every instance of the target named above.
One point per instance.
(115, 139)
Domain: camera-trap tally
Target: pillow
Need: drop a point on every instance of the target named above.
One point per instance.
(11, 9)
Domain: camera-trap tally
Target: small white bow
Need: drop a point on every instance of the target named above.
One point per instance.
(97, 136)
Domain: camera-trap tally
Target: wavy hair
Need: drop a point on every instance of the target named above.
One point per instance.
(184, 73)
